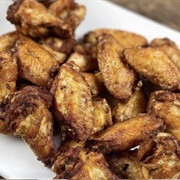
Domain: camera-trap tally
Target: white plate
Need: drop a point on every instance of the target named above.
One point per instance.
(16, 159)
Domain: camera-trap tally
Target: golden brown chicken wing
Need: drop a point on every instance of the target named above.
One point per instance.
(8, 40)
(35, 63)
(126, 39)
(8, 74)
(155, 66)
(33, 19)
(169, 48)
(135, 105)
(60, 49)
(73, 102)
(69, 11)
(102, 114)
(166, 105)
(76, 163)
(160, 159)
(125, 164)
(27, 115)
(127, 134)
(118, 77)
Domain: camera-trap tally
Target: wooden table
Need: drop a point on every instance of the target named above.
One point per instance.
(166, 12)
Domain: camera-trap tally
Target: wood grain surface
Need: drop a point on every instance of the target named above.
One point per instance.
(166, 12)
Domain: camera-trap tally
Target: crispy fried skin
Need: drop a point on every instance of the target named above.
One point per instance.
(35, 64)
(60, 49)
(125, 164)
(166, 105)
(69, 11)
(73, 102)
(8, 74)
(76, 163)
(155, 66)
(161, 157)
(102, 114)
(118, 77)
(127, 134)
(95, 83)
(135, 105)
(27, 115)
(33, 19)
(126, 39)
(7, 41)
(168, 47)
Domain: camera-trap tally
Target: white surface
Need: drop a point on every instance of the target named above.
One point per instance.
(16, 159)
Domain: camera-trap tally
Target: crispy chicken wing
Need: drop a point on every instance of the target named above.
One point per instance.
(76, 163)
(127, 134)
(166, 105)
(155, 66)
(160, 157)
(118, 77)
(168, 47)
(73, 101)
(135, 105)
(28, 116)
(126, 39)
(125, 164)
(60, 49)
(35, 63)
(33, 19)
(69, 11)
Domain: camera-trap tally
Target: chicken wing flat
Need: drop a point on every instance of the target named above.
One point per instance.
(102, 114)
(35, 64)
(155, 66)
(7, 41)
(126, 134)
(126, 39)
(135, 105)
(33, 19)
(73, 102)
(168, 47)
(8, 74)
(27, 115)
(166, 105)
(69, 11)
(76, 163)
(118, 77)
(58, 48)
(95, 83)
(161, 157)
(125, 165)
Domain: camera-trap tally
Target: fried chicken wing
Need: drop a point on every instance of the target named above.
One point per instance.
(35, 63)
(73, 101)
(95, 83)
(166, 105)
(8, 74)
(118, 77)
(76, 163)
(126, 39)
(135, 105)
(27, 115)
(125, 164)
(69, 11)
(126, 134)
(102, 114)
(161, 157)
(33, 19)
(168, 47)
(8, 40)
(155, 66)
(60, 49)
